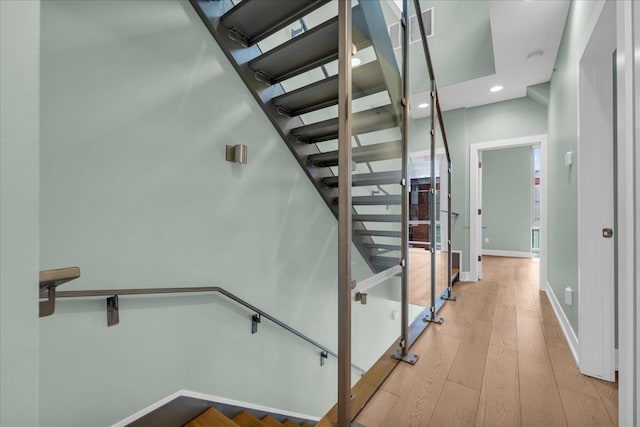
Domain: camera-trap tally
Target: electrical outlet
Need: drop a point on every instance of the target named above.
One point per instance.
(568, 295)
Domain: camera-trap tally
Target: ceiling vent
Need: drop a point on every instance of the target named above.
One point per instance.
(414, 29)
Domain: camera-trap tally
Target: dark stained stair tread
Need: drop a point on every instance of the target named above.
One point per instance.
(366, 153)
(258, 19)
(309, 50)
(372, 120)
(374, 178)
(367, 79)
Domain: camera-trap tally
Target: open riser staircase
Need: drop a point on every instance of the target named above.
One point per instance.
(291, 79)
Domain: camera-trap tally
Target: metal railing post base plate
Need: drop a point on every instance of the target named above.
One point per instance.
(449, 298)
(408, 358)
(433, 318)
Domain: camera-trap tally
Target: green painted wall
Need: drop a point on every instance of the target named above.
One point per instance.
(506, 199)
(137, 104)
(509, 119)
(562, 202)
(19, 83)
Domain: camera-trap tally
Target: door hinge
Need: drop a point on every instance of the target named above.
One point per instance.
(479, 211)
(479, 258)
(479, 165)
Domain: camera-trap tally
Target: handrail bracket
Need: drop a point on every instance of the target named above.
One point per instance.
(255, 319)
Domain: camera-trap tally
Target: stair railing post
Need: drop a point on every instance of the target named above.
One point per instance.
(405, 180)
(345, 51)
(403, 353)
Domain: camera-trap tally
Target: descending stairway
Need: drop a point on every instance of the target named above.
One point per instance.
(213, 418)
(290, 79)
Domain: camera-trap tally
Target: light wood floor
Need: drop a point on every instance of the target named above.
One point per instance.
(499, 359)
(420, 276)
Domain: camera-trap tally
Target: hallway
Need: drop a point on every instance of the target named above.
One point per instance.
(499, 359)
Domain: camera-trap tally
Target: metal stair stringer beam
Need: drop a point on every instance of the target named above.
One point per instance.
(239, 56)
(381, 42)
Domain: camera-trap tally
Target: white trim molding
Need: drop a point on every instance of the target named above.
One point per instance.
(567, 330)
(627, 13)
(475, 228)
(510, 254)
(213, 399)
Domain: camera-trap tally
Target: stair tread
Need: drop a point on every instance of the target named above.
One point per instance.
(383, 246)
(289, 423)
(258, 19)
(269, 421)
(366, 153)
(383, 199)
(309, 50)
(305, 424)
(245, 419)
(380, 233)
(377, 217)
(373, 178)
(362, 122)
(367, 79)
(211, 418)
(384, 261)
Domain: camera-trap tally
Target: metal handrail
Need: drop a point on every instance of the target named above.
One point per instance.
(217, 289)
(437, 110)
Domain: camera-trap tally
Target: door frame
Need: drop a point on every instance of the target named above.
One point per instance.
(628, 256)
(475, 235)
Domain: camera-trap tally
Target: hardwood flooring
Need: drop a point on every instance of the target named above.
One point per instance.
(499, 359)
(420, 276)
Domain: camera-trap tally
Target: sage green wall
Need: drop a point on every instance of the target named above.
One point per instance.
(562, 197)
(506, 199)
(137, 104)
(19, 81)
(508, 119)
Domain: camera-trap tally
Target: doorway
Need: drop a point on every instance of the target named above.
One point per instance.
(597, 232)
(475, 203)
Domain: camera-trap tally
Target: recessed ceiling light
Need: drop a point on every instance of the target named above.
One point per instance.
(423, 105)
(497, 88)
(355, 61)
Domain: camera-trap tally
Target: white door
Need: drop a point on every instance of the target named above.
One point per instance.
(596, 234)
(479, 215)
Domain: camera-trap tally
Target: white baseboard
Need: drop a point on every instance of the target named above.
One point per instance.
(210, 398)
(568, 331)
(465, 276)
(511, 254)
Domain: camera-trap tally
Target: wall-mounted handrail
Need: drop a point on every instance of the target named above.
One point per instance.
(181, 290)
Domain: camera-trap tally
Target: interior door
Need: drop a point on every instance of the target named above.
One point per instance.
(596, 233)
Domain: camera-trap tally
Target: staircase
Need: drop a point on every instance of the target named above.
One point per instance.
(213, 418)
(290, 78)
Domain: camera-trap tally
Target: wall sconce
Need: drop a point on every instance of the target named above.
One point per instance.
(237, 153)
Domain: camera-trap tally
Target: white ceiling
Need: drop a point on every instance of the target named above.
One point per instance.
(518, 28)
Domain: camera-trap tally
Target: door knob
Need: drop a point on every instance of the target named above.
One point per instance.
(607, 233)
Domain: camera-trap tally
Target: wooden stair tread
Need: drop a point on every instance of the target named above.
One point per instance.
(269, 421)
(289, 423)
(211, 418)
(245, 419)
(56, 277)
(305, 424)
